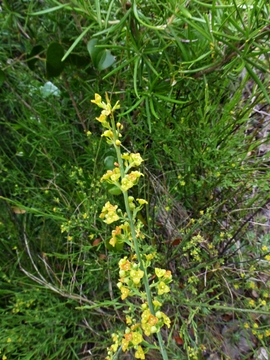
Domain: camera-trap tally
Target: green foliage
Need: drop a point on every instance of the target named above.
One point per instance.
(193, 83)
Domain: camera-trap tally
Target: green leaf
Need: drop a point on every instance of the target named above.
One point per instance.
(47, 11)
(2, 77)
(109, 162)
(255, 77)
(106, 60)
(94, 52)
(114, 190)
(54, 63)
(102, 58)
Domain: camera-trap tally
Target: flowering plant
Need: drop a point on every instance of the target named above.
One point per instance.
(133, 275)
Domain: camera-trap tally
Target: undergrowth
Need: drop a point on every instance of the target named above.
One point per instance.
(192, 79)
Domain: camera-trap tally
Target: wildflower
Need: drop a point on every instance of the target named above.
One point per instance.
(136, 276)
(264, 248)
(251, 285)
(142, 201)
(149, 257)
(267, 257)
(152, 320)
(126, 184)
(125, 292)
(9, 340)
(115, 235)
(126, 340)
(139, 354)
(246, 326)
(109, 213)
(163, 288)
(166, 320)
(267, 333)
(128, 320)
(135, 159)
(97, 100)
(108, 134)
(136, 338)
(160, 272)
(124, 264)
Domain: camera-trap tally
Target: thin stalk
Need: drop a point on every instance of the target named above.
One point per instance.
(133, 234)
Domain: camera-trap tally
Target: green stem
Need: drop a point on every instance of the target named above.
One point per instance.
(133, 234)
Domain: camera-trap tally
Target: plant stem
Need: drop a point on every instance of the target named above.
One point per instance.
(135, 242)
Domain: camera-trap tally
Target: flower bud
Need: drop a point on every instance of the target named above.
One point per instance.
(119, 285)
(122, 273)
(153, 329)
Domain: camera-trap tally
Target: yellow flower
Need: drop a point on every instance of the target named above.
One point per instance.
(264, 248)
(246, 326)
(124, 265)
(152, 320)
(163, 288)
(149, 257)
(108, 213)
(139, 354)
(251, 285)
(125, 292)
(136, 338)
(166, 320)
(116, 235)
(160, 272)
(108, 134)
(267, 257)
(97, 100)
(128, 320)
(9, 340)
(136, 276)
(142, 201)
(135, 159)
(126, 184)
(125, 341)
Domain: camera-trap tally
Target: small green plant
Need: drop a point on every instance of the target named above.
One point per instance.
(133, 272)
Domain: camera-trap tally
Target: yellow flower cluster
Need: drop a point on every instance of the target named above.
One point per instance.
(130, 180)
(108, 213)
(107, 108)
(132, 160)
(152, 323)
(130, 274)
